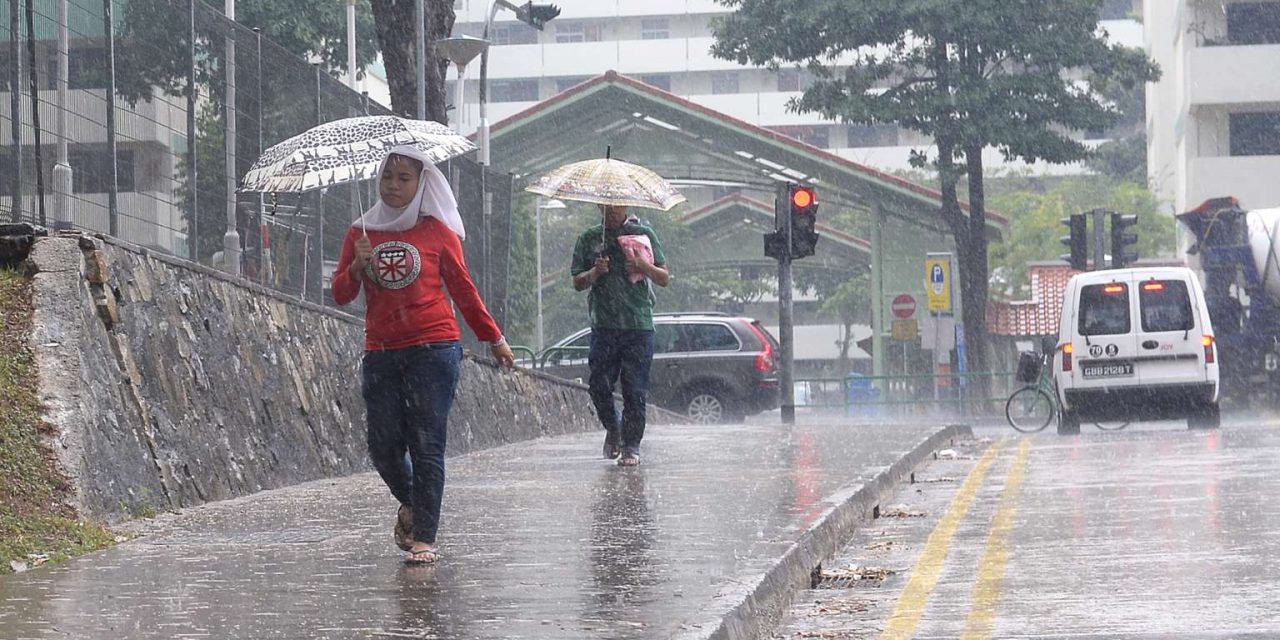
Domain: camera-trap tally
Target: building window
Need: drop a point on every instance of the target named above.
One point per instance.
(1255, 134)
(788, 79)
(513, 33)
(1253, 23)
(513, 91)
(817, 136)
(91, 171)
(659, 80)
(874, 135)
(655, 29)
(724, 82)
(579, 31)
(564, 84)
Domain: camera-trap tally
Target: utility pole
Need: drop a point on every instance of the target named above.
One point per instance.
(1099, 239)
(62, 183)
(782, 216)
(231, 239)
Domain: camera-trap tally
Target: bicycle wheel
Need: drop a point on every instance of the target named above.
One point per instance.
(1029, 409)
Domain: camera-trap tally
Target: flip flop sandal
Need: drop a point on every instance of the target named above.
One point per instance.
(404, 530)
(612, 451)
(629, 459)
(611, 448)
(426, 556)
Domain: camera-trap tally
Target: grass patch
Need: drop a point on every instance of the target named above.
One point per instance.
(36, 524)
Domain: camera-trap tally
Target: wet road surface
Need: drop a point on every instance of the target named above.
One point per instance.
(1151, 532)
(542, 540)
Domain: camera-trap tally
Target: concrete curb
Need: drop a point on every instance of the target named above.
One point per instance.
(754, 604)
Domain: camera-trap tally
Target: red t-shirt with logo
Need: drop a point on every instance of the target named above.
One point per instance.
(404, 287)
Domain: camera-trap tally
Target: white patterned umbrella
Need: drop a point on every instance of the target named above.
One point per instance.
(610, 182)
(347, 150)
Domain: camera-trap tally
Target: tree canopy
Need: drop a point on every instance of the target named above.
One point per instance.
(1021, 76)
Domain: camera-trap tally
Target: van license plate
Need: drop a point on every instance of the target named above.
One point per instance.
(1108, 370)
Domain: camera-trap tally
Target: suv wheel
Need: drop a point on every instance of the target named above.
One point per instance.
(706, 407)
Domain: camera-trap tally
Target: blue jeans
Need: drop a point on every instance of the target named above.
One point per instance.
(625, 354)
(407, 396)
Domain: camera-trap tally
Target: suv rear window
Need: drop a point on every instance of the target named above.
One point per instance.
(1104, 309)
(1165, 306)
(711, 337)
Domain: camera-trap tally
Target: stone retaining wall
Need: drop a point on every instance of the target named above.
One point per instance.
(171, 384)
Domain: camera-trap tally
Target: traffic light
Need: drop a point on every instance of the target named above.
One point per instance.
(804, 220)
(537, 15)
(1121, 256)
(1078, 242)
(775, 245)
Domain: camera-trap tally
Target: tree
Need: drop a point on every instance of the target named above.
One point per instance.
(970, 74)
(153, 47)
(398, 39)
(846, 302)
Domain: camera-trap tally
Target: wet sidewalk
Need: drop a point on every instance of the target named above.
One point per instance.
(543, 539)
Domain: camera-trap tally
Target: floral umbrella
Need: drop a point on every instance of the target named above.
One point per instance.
(347, 150)
(608, 181)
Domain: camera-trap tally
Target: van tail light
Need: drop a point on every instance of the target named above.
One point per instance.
(1066, 356)
(764, 360)
(1207, 341)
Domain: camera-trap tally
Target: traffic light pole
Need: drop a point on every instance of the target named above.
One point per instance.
(782, 216)
(1099, 239)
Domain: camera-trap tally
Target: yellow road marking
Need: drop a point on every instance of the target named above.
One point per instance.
(906, 615)
(986, 594)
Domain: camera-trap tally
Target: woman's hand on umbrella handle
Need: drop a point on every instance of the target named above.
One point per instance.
(502, 353)
(363, 254)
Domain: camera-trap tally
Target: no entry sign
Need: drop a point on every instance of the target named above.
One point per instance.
(903, 306)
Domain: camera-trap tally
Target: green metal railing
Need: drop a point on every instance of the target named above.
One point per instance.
(905, 395)
(549, 355)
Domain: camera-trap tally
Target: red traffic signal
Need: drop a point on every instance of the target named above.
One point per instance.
(804, 220)
(802, 198)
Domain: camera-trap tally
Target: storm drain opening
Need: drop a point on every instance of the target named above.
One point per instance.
(849, 577)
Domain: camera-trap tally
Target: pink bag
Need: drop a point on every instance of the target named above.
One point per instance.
(636, 246)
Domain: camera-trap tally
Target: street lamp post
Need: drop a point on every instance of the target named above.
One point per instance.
(534, 15)
(461, 50)
(538, 207)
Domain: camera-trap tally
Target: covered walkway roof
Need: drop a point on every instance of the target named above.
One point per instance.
(697, 147)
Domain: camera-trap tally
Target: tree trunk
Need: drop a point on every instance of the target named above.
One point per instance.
(974, 280)
(398, 40)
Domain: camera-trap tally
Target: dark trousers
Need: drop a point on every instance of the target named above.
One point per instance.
(407, 396)
(621, 354)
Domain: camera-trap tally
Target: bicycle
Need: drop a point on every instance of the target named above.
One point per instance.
(1032, 407)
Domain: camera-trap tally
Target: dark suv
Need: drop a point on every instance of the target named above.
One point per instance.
(711, 367)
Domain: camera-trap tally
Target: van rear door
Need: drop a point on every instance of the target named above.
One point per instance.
(1169, 340)
(1108, 345)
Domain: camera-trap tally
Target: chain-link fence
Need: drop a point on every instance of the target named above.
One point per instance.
(142, 131)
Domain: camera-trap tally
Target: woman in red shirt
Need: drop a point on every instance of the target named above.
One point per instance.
(404, 252)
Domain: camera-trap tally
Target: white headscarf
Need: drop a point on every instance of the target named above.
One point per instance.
(434, 198)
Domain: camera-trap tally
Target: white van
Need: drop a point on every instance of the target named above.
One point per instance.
(1136, 344)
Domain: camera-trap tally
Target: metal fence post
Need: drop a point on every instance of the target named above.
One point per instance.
(15, 109)
(35, 106)
(113, 209)
(193, 209)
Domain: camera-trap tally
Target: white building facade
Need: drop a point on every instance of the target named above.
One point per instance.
(666, 43)
(1213, 119)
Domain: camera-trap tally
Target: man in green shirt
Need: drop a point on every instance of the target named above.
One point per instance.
(621, 324)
